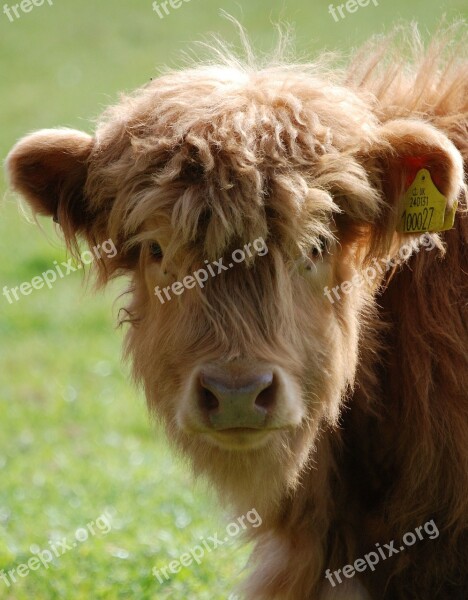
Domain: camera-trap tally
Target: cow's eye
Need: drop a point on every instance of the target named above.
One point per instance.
(320, 248)
(156, 251)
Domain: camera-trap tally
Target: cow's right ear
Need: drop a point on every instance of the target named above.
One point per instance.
(407, 155)
(49, 169)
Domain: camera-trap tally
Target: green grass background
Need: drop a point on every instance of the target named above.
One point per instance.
(75, 439)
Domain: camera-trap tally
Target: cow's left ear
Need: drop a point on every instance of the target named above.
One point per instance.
(49, 169)
(411, 158)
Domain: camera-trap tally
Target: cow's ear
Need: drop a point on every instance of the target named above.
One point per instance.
(407, 152)
(49, 169)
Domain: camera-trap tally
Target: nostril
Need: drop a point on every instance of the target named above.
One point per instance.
(208, 401)
(266, 399)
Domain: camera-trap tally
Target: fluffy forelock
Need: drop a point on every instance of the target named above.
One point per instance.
(215, 150)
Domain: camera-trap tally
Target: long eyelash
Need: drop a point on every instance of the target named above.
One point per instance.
(321, 249)
(156, 250)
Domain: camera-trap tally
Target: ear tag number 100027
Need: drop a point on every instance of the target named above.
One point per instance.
(423, 207)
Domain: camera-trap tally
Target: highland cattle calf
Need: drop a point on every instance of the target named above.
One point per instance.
(298, 318)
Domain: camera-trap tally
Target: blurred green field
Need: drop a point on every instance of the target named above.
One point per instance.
(75, 438)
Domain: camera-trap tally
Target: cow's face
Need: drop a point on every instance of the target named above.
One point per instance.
(238, 203)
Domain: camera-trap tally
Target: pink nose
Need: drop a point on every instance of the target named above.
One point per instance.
(229, 403)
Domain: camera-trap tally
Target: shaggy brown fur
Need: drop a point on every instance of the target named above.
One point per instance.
(209, 158)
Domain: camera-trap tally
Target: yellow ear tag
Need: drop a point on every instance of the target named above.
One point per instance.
(423, 207)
